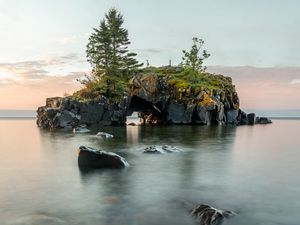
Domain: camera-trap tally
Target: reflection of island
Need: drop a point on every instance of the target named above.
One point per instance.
(133, 134)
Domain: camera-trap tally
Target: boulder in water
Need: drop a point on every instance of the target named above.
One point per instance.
(82, 130)
(92, 158)
(207, 215)
(157, 149)
(104, 135)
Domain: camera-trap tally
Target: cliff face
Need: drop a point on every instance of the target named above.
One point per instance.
(170, 103)
(67, 113)
(158, 99)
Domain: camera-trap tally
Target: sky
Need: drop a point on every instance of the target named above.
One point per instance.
(43, 42)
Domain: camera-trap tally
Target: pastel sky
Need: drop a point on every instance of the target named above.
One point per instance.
(42, 44)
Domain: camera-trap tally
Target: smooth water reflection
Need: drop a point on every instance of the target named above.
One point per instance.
(251, 170)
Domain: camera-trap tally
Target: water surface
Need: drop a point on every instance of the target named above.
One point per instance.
(252, 170)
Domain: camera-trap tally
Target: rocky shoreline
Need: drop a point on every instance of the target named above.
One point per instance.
(156, 101)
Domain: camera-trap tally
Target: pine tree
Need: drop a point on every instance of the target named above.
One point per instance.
(107, 49)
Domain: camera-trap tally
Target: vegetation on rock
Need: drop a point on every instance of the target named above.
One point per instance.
(114, 66)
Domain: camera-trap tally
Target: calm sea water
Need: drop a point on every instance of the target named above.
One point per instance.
(252, 170)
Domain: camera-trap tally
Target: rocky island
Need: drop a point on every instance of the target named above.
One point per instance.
(159, 98)
(119, 86)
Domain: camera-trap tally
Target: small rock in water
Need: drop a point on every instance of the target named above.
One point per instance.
(92, 158)
(104, 135)
(82, 130)
(207, 215)
(263, 120)
(157, 149)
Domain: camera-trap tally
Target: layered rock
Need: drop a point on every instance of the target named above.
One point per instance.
(158, 100)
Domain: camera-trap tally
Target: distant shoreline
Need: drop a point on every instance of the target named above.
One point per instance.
(284, 118)
(34, 117)
(16, 117)
(10, 113)
(31, 114)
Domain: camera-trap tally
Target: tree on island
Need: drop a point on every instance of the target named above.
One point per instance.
(107, 51)
(193, 59)
(114, 65)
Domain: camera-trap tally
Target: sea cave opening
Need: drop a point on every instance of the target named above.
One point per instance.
(143, 112)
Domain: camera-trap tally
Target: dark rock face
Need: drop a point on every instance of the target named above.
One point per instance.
(207, 215)
(232, 116)
(203, 115)
(156, 101)
(251, 118)
(69, 113)
(242, 118)
(166, 104)
(179, 113)
(92, 158)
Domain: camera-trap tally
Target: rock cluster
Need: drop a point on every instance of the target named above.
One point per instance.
(207, 215)
(69, 113)
(157, 149)
(104, 135)
(156, 101)
(90, 158)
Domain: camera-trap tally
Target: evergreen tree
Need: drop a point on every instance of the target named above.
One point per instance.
(107, 49)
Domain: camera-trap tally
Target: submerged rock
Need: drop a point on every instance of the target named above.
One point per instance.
(82, 130)
(104, 135)
(207, 215)
(157, 149)
(92, 158)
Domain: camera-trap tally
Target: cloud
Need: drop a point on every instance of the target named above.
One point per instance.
(33, 82)
(148, 50)
(67, 39)
(38, 69)
(26, 84)
(295, 81)
(71, 39)
(264, 88)
(32, 94)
